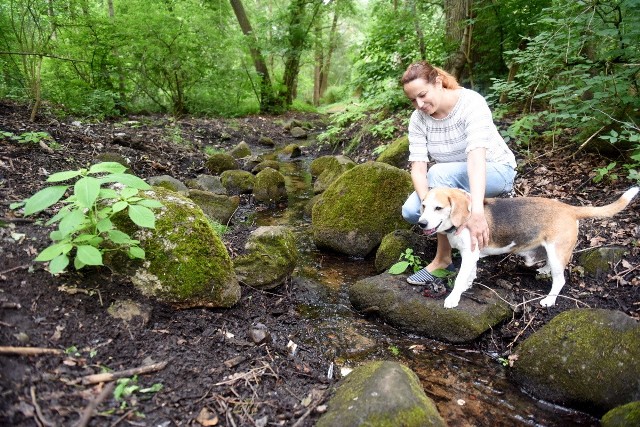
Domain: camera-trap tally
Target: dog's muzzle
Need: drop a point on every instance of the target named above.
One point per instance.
(428, 231)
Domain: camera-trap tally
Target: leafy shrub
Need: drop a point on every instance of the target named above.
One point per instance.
(85, 230)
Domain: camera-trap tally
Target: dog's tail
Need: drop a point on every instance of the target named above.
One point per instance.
(607, 210)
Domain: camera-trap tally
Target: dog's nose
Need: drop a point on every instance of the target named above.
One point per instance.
(422, 225)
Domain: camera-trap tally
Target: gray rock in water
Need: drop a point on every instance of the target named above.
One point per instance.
(404, 306)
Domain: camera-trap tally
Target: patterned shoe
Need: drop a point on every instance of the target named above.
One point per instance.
(423, 277)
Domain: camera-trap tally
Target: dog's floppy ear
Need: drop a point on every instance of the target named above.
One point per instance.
(460, 208)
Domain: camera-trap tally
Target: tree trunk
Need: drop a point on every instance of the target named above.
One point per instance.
(267, 98)
(319, 64)
(419, 33)
(458, 33)
(333, 42)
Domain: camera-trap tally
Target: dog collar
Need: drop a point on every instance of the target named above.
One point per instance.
(451, 229)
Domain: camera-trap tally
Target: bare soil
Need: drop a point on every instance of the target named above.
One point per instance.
(212, 372)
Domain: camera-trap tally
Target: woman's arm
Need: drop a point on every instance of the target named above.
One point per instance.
(419, 178)
(477, 223)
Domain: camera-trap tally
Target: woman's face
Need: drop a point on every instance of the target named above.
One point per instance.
(424, 96)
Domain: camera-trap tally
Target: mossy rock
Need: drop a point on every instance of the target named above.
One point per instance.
(395, 244)
(381, 394)
(240, 151)
(587, 359)
(404, 306)
(266, 141)
(186, 263)
(238, 181)
(209, 183)
(220, 162)
(292, 151)
(168, 182)
(298, 133)
(249, 163)
(318, 165)
(217, 207)
(271, 256)
(396, 153)
(331, 172)
(273, 164)
(597, 261)
(623, 416)
(360, 208)
(269, 186)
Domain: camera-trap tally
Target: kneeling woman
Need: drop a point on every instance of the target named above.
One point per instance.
(453, 126)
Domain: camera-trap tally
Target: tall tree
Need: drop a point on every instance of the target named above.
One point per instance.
(458, 28)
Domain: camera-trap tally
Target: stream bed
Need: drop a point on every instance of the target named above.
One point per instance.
(470, 388)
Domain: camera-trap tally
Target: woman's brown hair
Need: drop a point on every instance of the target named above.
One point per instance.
(427, 72)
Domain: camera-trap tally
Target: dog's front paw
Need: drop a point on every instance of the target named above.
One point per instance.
(548, 301)
(451, 301)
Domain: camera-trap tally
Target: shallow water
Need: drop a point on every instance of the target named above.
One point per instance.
(469, 388)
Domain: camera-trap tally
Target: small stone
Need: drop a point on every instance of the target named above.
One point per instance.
(258, 333)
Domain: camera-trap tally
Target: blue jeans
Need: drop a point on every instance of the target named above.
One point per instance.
(454, 175)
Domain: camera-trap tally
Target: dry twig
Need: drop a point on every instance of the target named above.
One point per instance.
(91, 407)
(29, 351)
(112, 376)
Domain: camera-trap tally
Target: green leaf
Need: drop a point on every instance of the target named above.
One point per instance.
(73, 221)
(398, 267)
(58, 264)
(142, 216)
(118, 237)
(44, 198)
(53, 251)
(119, 206)
(136, 252)
(128, 192)
(108, 193)
(87, 190)
(63, 176)
(78, 264)
(110, 167)
(442, 273)
(104, 225)
(61, 214)
(89, 255)
(126, 179)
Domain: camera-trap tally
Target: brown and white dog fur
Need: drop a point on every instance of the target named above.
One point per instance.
(535, 228)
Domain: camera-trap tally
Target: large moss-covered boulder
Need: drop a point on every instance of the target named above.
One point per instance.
(623, 416)
(271, 256)
(396, 153)
(403, 306)
(217, 207)
(238, 181)
(269, 186)
(583, 358)
(327, 169)
(186, 264)
(597, 262)
(220, 162)
(360, 208)
(381, 394)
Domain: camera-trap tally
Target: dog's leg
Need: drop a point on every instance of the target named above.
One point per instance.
(556, 266)
(465, 277)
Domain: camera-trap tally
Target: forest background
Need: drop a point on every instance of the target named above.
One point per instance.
(561, 70)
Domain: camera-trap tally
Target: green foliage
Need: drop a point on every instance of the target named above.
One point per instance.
(605, 173)
(219, 228)
(522, 131)
(407, 259)
(85, 230)
(384, 129)
(26, 137)
(127, 387)
(394, 350)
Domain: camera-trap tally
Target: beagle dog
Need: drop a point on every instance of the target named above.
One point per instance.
(535, 228)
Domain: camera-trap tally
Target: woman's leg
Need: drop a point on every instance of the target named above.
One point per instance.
(499, 179)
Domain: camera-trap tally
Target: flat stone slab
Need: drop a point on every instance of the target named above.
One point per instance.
(403, 306)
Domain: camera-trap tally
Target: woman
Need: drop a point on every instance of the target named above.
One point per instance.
(452, 126)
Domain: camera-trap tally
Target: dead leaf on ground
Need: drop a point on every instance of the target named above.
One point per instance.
(207, 418)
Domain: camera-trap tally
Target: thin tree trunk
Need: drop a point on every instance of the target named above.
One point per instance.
(267, 99)
(333, 42)
(319, 64)
(458, 33)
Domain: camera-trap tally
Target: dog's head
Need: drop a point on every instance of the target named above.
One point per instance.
(443, 209)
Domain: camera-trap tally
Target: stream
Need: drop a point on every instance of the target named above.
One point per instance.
(470, 388)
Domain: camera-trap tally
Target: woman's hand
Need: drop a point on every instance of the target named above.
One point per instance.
(478, 229)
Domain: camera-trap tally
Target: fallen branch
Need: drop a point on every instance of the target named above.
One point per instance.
(39, 416)
(29, 351)
(112, 376)
(91, 407)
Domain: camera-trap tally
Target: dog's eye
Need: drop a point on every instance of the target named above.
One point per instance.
(437, 208)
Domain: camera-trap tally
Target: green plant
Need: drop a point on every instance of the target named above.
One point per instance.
(406, 259)
(384, 129)
(126, 387)
(380, 149)
(219, 228)
(85, 230)
(27, 137)
(394, 350)
(605, 172)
